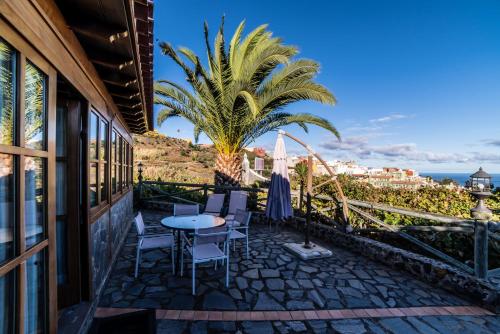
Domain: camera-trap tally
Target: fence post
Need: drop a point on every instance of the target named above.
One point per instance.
(205, 192)
(301, 196)
(481, 248)
(139, 177)
(308, 200)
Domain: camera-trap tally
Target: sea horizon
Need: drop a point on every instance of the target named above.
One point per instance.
(460, 178)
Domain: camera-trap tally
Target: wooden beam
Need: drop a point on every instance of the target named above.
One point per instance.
(98, 30)
(112, 61)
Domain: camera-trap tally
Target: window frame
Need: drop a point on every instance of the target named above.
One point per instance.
(17, 264)
(99, 161)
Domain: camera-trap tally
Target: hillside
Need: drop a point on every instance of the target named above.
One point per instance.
(177, 160)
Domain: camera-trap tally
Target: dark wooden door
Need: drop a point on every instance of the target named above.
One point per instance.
(68, 201)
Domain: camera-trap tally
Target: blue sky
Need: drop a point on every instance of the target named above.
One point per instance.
(417, 81)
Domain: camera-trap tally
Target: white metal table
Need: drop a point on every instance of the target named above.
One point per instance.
(189, 224)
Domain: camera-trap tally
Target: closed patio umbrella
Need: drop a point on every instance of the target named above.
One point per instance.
(279, 200)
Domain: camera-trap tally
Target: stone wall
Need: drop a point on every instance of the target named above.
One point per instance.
(426, 269)
(107, 234)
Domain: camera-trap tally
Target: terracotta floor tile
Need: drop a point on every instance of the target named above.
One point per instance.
(346, 313)
(160, 314)
(384, 312)
(243, 316)
(396, 312)
(361, 313)
(373, 313)
(271, 315)
(257, 316)
(200, 315)
(323, 314)
(298, 315)
(335, 314)
(229, 316)
(215, 316)
(409, 312)
(284, 315)
(186, 315)
(311, 315)
(172, 314)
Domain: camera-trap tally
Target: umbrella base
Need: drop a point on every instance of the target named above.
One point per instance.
(314, 252)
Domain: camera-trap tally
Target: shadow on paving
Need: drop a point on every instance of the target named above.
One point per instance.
(271, 279)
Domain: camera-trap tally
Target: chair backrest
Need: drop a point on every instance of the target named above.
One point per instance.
(243, 217)
(139, 224)
(237, 200)
(215, 203)
(186, 209)
(211, 235)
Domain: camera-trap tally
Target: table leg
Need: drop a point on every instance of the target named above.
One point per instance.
(177, 257)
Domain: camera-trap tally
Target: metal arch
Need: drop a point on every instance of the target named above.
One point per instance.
(345, 207)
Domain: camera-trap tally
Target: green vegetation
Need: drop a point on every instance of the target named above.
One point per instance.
(241, 94)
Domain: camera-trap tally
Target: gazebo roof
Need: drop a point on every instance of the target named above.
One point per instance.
(481, 174)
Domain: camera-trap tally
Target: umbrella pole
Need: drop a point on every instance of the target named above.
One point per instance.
(307, 244)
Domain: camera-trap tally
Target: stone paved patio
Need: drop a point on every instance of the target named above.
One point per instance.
(273, 280)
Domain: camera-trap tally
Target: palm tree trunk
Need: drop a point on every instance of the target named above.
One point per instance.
(228, 169)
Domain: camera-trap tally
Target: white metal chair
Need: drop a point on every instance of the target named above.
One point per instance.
(186, 209)
(205, 248)
(145, 241)
(237, 201)
(241, 231)
(214, 205)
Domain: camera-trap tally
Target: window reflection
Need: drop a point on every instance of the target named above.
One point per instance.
(103, 179)
(113, 162)
(35, 294)
(34, 105)
(93, 137)
(34, 200)
(7, 93)
(103, 138)
(7, 209)
(7, 302)
(93, 185)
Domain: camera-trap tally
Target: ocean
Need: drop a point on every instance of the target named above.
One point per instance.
(460, 177)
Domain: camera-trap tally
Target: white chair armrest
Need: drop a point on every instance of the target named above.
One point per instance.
(147, 236)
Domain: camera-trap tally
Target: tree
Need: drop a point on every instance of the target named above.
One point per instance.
(241, 94)
(301, 171)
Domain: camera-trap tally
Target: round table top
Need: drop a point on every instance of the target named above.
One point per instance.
(192, 222)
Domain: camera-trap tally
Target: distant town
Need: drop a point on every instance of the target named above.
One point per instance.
(392, 177)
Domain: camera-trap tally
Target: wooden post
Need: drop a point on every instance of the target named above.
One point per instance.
(301, 196)
(481, 249)
(308, 200)
(139, 178)
(205, 193)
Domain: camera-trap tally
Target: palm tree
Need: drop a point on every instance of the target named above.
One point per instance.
(242, 93)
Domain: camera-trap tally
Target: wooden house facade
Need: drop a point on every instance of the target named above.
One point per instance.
(75, 83)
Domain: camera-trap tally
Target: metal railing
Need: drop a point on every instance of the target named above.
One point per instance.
(482, 231)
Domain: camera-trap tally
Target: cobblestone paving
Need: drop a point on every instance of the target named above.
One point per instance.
(272, 279)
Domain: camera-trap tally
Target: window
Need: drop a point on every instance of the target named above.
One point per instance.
(98, 160)
(113, 163)
(23, 189)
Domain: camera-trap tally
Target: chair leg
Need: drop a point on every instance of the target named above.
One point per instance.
(227, 271)
(173, 258)
(194, 277)
(137, 260)
(182, 261)
(247, 243)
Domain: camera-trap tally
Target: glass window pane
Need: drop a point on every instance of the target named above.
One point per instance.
(113, 178)
(103, 177)
(34, 200)
(7, 93)
(36, 294)
(93, 136)
(60, 188)
(113, 147)
(61, 131)
(35, 107)
(62, 250)
(93, 184)
(7, 302)
(7, 207)
(119, 159)
(103, 138)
